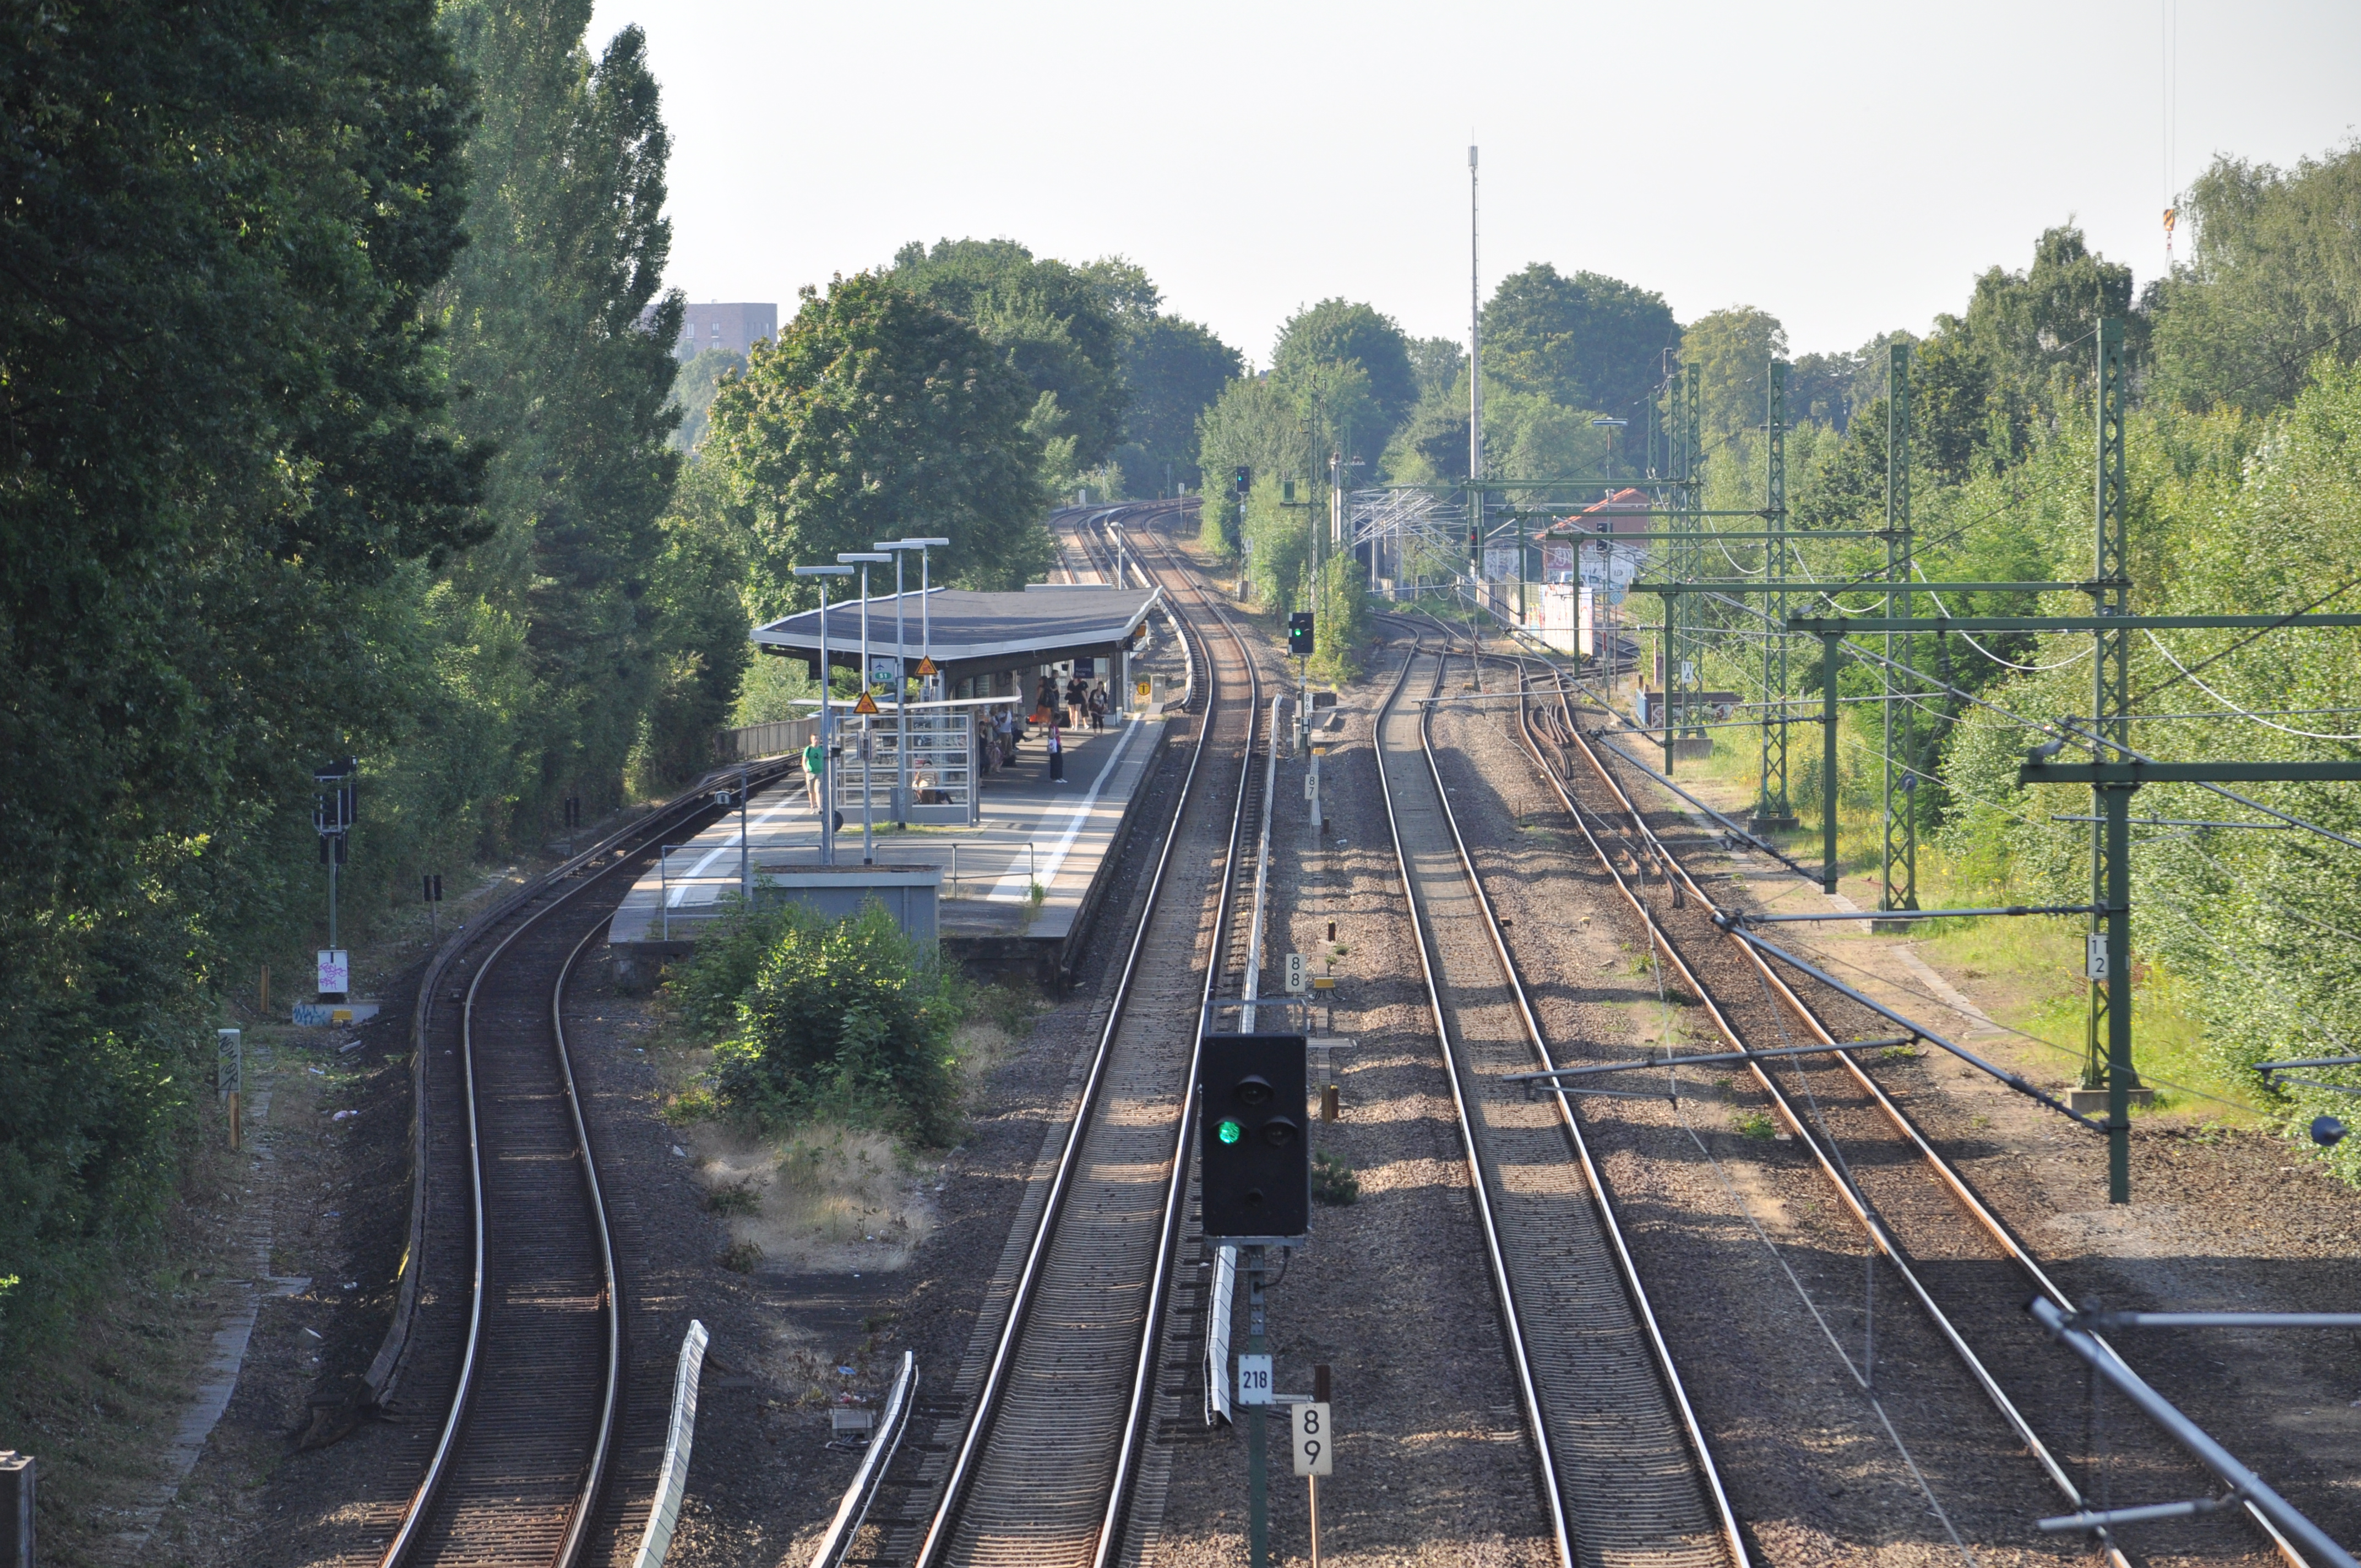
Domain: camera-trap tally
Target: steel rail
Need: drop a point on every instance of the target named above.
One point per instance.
(424, 1497)
(1952, 1180)
(1176, 1191)
(953, 1497)
(1561, 1528)
(1627, 1268)
(1883, 1239)
(577, 1528)
(1880, 1237)
(1949, 1176)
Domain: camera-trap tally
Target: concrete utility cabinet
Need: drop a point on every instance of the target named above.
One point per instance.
(908, 893)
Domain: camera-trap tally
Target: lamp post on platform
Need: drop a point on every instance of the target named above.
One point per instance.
(867, 707)
(926, 586)
(827, 728)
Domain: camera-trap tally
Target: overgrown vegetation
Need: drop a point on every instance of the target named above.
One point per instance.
(847, 1021)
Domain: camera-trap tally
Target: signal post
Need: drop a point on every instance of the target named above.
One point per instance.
(1255, 1183)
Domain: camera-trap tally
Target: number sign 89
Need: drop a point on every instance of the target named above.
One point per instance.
(1313, 1442)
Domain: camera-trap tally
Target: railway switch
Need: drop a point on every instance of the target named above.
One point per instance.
(1254, 1161)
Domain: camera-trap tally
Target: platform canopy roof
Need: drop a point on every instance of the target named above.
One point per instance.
(972, 632)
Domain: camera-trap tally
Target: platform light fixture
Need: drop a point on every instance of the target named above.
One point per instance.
(827, 723)
(901, 686)
(865, 559)
(926, 587)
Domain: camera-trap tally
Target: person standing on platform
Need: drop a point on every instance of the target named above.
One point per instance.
(1098, 707)
(815, 773)
(1056, 754)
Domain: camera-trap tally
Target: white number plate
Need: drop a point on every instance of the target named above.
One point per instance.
(1254, 1380)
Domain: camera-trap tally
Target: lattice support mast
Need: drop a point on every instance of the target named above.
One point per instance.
(2110, 994)
(1685, 638)
(1899, 886)
(1772, 809)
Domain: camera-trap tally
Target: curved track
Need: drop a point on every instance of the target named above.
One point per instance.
(528, 1355)
(1626, 1472)
(1046, 1467)
(1970, 1279)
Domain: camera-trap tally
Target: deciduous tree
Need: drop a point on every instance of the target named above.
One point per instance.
(875, 415)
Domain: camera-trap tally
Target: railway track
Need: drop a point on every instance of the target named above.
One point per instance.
(511, 1315)
(1963, 1266)
(1625, 1470)
(1044, 1460)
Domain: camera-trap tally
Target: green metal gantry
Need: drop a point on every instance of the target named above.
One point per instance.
(1898, 888)
(2112, 782)
(1773, 810)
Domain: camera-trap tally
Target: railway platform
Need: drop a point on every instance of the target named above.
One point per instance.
(1064, 837)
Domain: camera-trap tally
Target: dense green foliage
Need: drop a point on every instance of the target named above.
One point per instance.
(875, 415)
(847, 1019)
(692, 387)
(1584, 342)
(336, 372)
(556, 333)
(1057, 326)
(2244, 452)
(1174, 370)
(2274, 284)
(226, 458)
(1340, 332)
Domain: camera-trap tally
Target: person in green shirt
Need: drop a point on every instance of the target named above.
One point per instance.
(815, 771)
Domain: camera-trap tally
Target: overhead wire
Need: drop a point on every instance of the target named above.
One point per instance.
(2240, 643)
(2006, 663)
(2234, 711)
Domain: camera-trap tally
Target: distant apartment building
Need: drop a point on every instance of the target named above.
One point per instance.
(734, 327)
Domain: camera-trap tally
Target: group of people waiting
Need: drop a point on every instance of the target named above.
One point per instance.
(1082, 702)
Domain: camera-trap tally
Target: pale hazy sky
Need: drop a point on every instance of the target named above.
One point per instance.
(1847, 166)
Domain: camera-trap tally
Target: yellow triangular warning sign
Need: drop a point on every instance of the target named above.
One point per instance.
(926, 666)
(867, 704)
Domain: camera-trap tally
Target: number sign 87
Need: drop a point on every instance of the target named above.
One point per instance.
(1314, 1444)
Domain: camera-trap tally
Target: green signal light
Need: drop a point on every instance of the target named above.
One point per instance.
(1229, 1132)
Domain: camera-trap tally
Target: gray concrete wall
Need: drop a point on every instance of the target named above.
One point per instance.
(908, 894)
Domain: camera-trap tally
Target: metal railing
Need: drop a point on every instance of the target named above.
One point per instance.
(854, 1509)
(776, 739)
(672, 1480)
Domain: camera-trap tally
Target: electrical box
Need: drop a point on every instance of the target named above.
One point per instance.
(1254, 1161)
